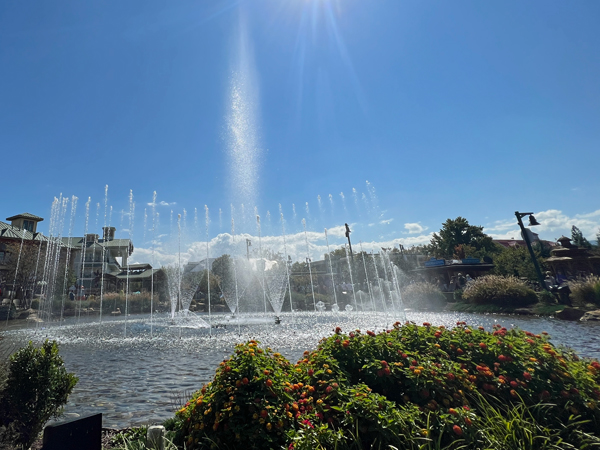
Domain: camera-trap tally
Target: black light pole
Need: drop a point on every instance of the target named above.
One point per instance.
(349, 244)
(532, 222)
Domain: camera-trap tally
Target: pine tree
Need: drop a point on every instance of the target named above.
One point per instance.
(578, 239)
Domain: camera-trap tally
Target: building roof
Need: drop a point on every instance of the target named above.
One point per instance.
(9, 232)
(26, 216)
(77, 242)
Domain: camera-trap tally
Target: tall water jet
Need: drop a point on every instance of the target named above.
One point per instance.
(208, 266)
(351, 278)
(286, 262)
(367, 276)
(308, 260)
(131, 217)
(103, 252)
(261, 261)
(68, 255)
(335, 304)
(242, 121)
(152, 262)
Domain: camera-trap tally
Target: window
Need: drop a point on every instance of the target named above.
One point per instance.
(28, 225)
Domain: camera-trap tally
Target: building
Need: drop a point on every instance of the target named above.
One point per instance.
(570, 261)
(95, 260)
(90, 258)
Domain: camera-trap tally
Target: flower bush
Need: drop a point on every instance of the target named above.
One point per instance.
(408, 387)
(499, 290)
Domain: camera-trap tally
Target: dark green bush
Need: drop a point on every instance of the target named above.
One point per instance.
(500, 291)
(37, 386)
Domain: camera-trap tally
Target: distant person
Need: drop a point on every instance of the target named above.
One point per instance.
(461, 281)
(468, 279)
(549, 281)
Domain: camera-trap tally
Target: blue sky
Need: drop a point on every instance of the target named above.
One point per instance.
(465, 108)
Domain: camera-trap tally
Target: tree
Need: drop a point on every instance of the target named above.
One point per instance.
(516, 261)
(458, 237)
(578, 239)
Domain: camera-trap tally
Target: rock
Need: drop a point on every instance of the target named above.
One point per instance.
(570, 314)
(524, 312)
(591, 316)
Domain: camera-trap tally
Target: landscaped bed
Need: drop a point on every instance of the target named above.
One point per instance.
(408, 387)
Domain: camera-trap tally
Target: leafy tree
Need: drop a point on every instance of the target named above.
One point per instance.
(516, 261)
(458, 233)
(578, 239)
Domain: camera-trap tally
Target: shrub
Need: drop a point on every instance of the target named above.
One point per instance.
(547, 297)
(36, 388)
(498, 290)
(423, 295)
(409, 387)
(586, 290)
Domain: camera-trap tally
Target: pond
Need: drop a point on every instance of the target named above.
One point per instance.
(135, 372)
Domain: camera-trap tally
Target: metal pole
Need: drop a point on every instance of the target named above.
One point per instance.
(533, 258)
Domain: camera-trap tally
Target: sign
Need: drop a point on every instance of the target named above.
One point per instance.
(470, 260)
(435, 262)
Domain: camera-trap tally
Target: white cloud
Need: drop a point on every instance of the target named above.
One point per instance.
(553, 223)
(162, 203)
(386, 221)
(415, 227)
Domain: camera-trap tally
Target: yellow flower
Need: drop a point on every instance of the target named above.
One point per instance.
(261, 420)
(255, 416)
(269, 426)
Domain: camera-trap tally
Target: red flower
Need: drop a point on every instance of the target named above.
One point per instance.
(514, 384)
(245, 380)
(457, 430)
(370, 333)
(468, 421)
(450, 376)
(453, 411)
(310, 372)
(338, 330)
(527, 376)
(426, 324)
(269, 383)
(482, 345)
(345, 344)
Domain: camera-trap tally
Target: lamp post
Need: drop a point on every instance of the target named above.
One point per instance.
(348, 236)
(532, 222)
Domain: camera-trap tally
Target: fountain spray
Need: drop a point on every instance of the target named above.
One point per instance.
(331, 270)
(208, 267)
(287, 268)
(312, 288)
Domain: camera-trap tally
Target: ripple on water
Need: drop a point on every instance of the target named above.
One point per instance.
(134, 378)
